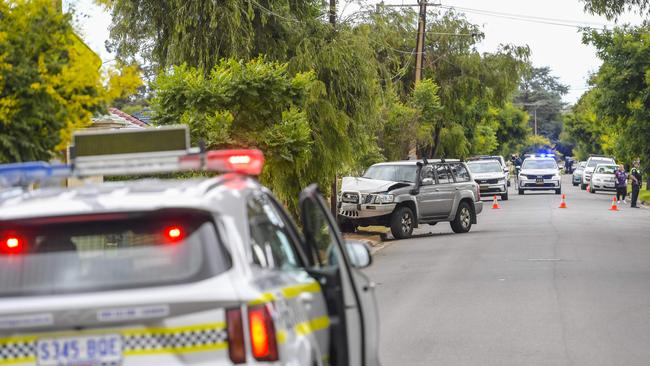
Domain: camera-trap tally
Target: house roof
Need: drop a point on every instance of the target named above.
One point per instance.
(117, 119)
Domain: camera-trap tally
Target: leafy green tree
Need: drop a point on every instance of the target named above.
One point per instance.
(583, 129)
(540, 94)
(470, 83)
(613, 8)
(49, 84)
(253, 104)
(622, 89)
(512, 129)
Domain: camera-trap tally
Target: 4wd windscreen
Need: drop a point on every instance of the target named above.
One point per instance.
(107, 251)
(393, 173)
(594, 162)
(538, 164)
(492, 167)
(606, 169)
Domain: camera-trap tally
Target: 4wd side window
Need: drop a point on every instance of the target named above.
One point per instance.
(427, 172)
(460, 172)
(269, 237)
(444, 176)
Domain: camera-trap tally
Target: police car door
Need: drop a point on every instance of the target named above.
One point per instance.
(331, 267)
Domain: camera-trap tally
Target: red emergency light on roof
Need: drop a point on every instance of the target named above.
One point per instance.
(11, 244)
(250, 162)
(174, 233)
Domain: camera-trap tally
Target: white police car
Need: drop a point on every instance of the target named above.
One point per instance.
(207, 271)
(539, 174)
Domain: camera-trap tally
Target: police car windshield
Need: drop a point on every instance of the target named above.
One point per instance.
(539, 164)
(108, 252)
(393, 173)
(485, 167)
(606, 169)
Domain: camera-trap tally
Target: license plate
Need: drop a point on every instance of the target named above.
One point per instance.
(539, 181)
(80, 351)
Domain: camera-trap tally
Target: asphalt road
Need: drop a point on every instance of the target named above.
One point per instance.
(531, 284)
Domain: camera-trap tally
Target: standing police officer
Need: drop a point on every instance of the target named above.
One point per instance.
(635, 174)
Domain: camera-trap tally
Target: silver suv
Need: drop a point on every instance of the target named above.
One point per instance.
(404, 194)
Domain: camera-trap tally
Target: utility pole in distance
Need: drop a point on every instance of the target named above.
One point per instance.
(419, 44)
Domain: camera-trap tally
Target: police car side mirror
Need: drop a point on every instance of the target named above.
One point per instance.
(358, 253)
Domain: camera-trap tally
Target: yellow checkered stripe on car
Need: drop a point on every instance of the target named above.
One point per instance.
(145, 341)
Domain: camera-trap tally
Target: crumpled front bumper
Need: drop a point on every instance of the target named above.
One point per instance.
(362, 211)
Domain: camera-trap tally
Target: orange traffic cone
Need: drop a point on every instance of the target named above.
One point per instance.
(563, 203)
(588, 188)
(614, 207)
(495, 204)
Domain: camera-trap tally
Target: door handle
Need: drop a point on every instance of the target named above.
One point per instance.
(437, 189)
(369, 286)
(457, 188)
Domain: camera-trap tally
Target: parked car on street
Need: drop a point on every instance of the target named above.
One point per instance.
(490, 177)
(592, 162)
(576, 178)
(500, 159)
(402, 195)
(539, 174)
(603, 178)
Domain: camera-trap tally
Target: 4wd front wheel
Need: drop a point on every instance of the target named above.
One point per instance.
(463, 220)
(402, 222)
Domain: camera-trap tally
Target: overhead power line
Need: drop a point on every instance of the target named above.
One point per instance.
(530, 19)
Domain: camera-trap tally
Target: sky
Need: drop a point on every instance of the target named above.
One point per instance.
(548, 27)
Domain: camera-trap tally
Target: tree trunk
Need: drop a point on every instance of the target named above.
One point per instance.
(436, 142)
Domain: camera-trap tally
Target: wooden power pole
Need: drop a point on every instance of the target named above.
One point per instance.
(419, 44)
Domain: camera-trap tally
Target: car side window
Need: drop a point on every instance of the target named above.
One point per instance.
(427, 172)
(270, 240)
(460, 172)
(443, 174)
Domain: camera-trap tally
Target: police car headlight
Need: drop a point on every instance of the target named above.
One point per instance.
(501, 180)
(556, 177)
(384, 198)
(522, 177)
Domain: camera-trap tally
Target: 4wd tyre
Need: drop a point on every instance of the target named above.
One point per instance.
(592, 190)
(521, 191)
(558, 191)
(504, 197)
(347, 227)
(463, 220)
(402, 222)
(575, 184)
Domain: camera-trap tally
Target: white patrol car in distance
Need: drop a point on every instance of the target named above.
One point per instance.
(195, 272)
(539, 174)
(490, 177)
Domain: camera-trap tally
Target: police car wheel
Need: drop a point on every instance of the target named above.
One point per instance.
(575, 184)
(504, 197)
(558, 191)
(463, 220)
(521, 191)
(592, 191)
(402, 222)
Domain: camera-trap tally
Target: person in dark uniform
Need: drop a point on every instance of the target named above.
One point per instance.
(635, 175)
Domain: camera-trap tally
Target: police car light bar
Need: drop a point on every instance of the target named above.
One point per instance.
(21, 174)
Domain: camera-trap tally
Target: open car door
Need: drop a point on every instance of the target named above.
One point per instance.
(331, 266)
